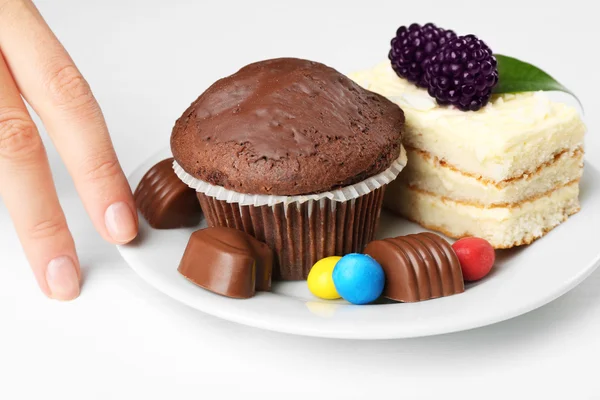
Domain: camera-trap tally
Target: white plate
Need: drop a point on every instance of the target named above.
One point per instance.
(522, 280)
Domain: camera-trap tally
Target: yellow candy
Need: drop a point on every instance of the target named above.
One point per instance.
(320, 281)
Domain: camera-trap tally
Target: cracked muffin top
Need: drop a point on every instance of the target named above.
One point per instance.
(287, 127)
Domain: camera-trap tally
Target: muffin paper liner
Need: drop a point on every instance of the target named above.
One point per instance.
(301, 230)
(343, 194)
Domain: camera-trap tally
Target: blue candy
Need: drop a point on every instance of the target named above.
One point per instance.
(358, 278)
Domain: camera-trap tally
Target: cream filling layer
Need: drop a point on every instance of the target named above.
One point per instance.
(503, 227)
(428, 173)
(513, 134)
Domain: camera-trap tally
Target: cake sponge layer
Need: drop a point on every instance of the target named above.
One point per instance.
(503, 227)
(427, 173)
(512, 134)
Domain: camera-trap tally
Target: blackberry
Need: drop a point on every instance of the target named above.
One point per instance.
(412, 47)
(462, 73)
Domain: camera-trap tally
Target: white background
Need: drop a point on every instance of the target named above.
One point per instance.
(146, 61)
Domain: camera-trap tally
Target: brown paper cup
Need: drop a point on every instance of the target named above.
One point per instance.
(302, 233)
(300, 229)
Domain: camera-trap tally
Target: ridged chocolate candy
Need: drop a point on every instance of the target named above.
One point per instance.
(417, 267)
(164, 200)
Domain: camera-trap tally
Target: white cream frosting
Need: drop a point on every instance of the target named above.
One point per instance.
(512, 134)
(427, 174)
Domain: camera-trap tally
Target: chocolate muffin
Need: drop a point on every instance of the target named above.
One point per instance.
(279, 139)
(287, 127)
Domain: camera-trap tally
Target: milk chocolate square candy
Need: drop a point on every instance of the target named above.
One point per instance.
(228, 262)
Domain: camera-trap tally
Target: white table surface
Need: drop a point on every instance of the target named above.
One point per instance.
(146, 61)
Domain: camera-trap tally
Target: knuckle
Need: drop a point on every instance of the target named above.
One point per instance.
(48, 228)
(18, 135)
(101, 169)
(68, 88)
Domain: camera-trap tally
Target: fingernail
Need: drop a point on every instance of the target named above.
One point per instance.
(62, 279)
(120, 222)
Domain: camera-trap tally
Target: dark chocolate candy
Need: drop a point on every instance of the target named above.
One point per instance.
(164, 200)
(228, 262)
(417, 267)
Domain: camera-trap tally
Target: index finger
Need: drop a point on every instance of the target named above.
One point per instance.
(49, 80)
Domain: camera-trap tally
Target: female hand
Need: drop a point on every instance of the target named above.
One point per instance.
(33, 64)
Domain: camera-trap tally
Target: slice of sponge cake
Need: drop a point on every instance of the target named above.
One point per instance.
(508, 173)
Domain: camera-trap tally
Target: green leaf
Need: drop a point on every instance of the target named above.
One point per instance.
(516, 76)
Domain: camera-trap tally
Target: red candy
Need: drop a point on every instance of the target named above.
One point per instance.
(476, 257)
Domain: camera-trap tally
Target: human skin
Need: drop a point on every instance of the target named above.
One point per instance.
(34, 66)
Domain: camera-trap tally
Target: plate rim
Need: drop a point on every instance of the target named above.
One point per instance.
(315, 331)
